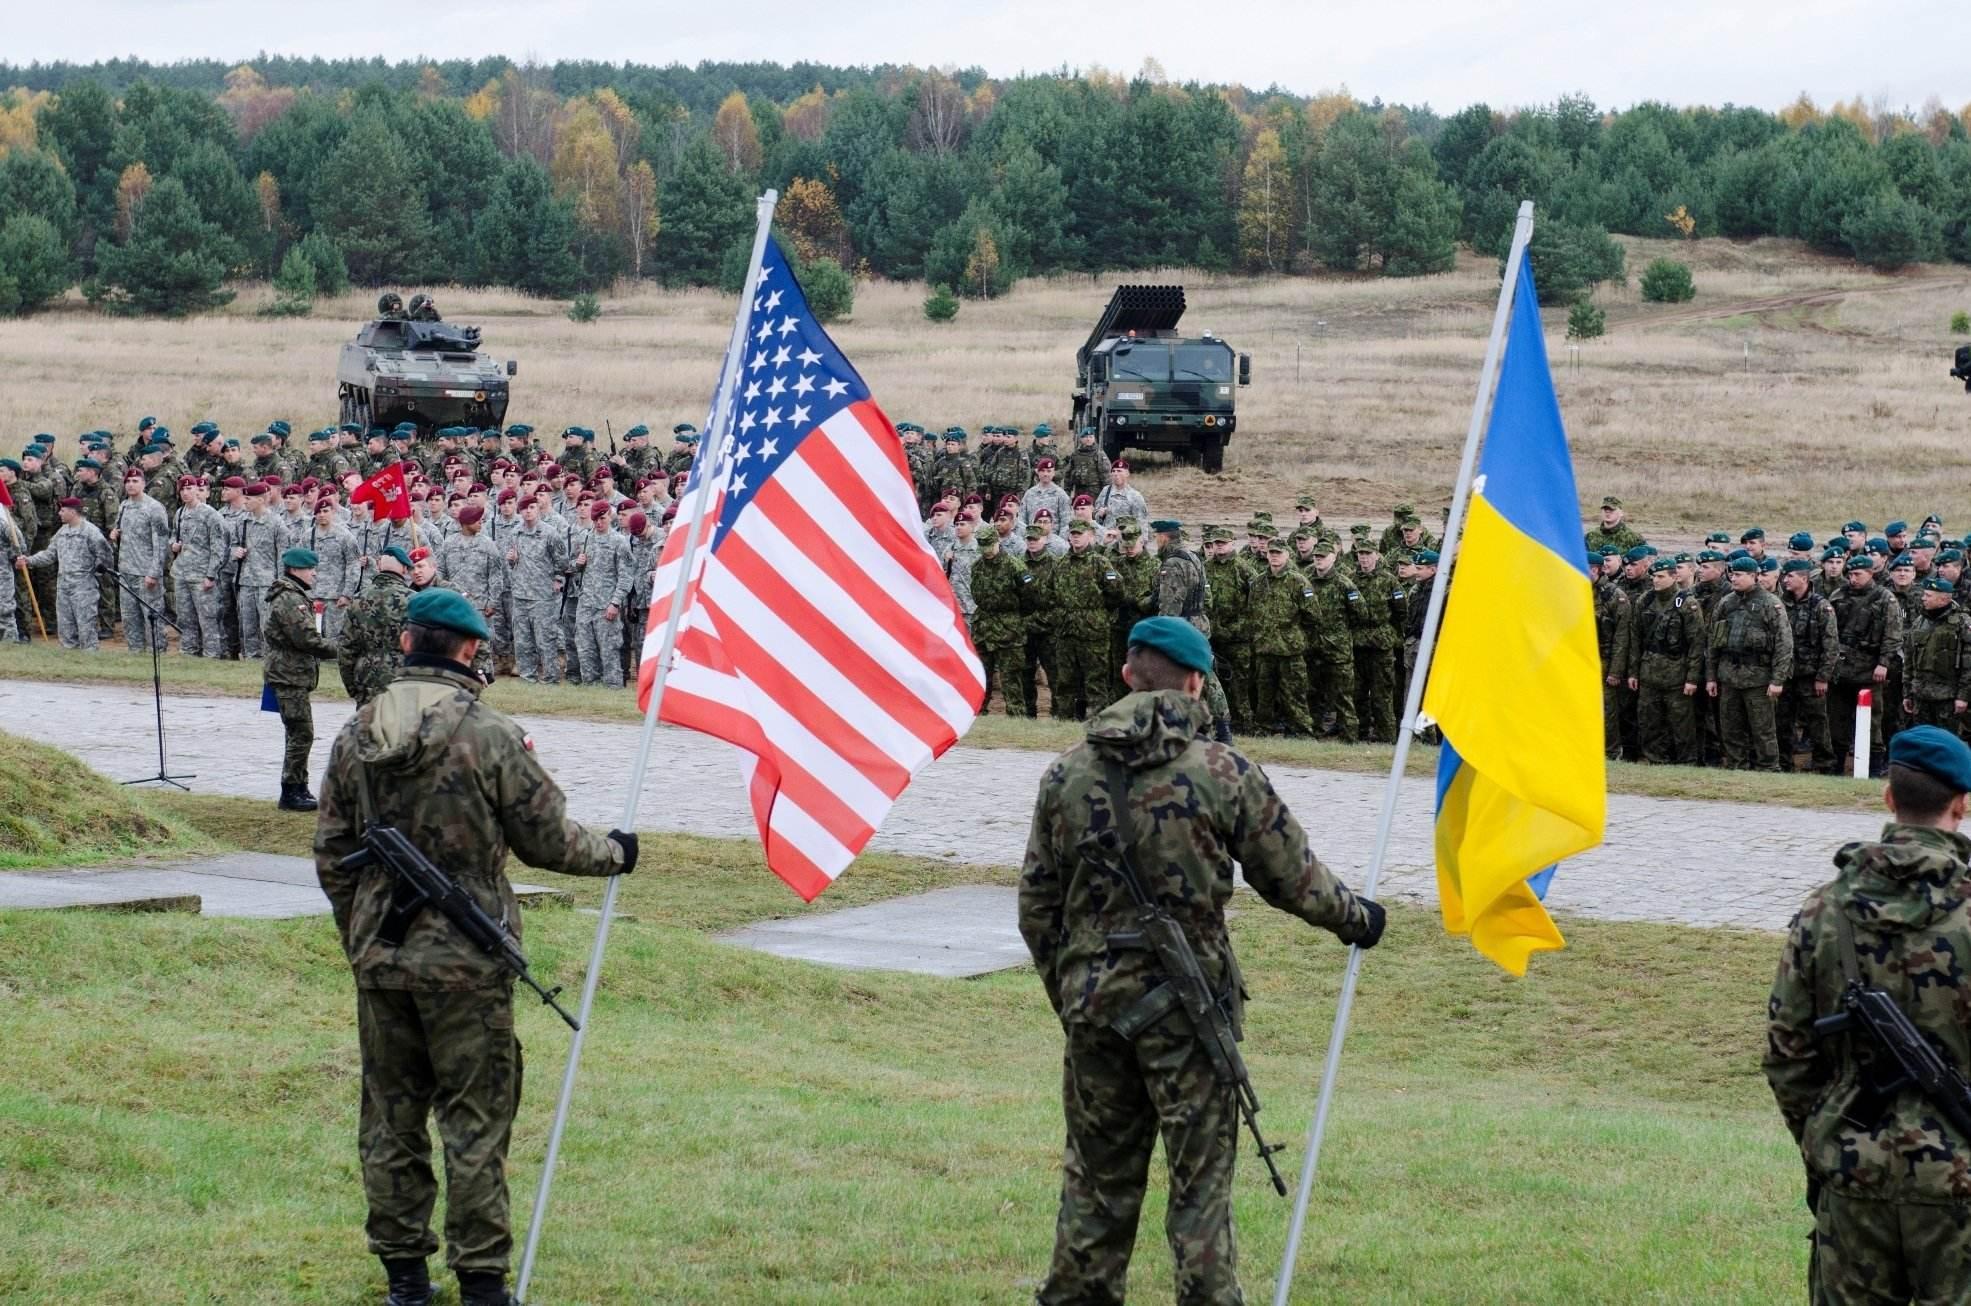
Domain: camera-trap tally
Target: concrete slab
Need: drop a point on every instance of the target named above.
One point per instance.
(954, 933)
(252, 885)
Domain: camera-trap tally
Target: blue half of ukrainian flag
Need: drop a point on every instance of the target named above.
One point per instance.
(1515, 683)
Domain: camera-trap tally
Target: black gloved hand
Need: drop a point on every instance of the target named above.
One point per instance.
(1372, 935)
(627, 842)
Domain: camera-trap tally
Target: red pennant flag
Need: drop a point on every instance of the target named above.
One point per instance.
(6, 499)
(389, 498)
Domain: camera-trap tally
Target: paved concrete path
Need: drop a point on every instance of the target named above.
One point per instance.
(1664, 859)
(238, 884)
(955, 933)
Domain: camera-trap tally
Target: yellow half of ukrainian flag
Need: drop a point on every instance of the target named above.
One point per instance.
(1515, 683)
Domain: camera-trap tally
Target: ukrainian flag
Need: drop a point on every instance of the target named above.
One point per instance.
(1515, 683)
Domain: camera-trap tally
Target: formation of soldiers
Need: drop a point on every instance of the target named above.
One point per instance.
(554, 549)
(1753, 654)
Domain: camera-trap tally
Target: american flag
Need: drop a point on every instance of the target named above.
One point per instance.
(819, 634)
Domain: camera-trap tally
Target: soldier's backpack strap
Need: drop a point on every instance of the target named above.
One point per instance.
(1844, 945)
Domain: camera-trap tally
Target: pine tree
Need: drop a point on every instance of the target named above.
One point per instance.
(707, 212)
(526, 237)
(371, 203)
(172, 264)
(34, 266)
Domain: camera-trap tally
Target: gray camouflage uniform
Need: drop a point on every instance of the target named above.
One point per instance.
(539, 557)
(201, 543)
(263, 564)
(606, 582)
(143, 550)
(76, 551)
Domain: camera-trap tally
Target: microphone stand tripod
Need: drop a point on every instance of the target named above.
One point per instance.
(156, 612)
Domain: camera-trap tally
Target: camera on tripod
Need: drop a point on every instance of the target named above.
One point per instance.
(1963, 369)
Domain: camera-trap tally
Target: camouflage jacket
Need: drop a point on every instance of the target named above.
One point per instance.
(1085, 471)
(1082, 589)
(958, 564)
(1182, 590)
(1277, 606)
(339, 561)
(1667, 647)
(1051, 497)
(1623, 537)
(40, 487)
(960, 472)
(294, 646)
(1870, 624)
(263, 550)
(1937, 655)
(474, 566)
(461, 782)
(1614, 618)
(369, 655)
(1380, 608)
(1816, 642)
(76, 551)
(204, 548)
(1331, 617)
(998, 619)
(1200, 811)
(1751, 641)
(143, 538)
(1138, 596)
(606, 575)
(1006, 472)
(1904, 898)
(538, 558)
(1230, 581)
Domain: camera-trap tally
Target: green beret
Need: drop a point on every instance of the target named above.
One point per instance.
(520, 429)
(146, 423)
(1747, 565)
(299, 558)
(1860, 562)
(1876, 544)
(1042, 431)
(1902, 560)
(1800, 540)
(1937, 583)
(682, 427)
(1710, 555)
(262, 438)
(231, 443)
(588, 437)
(1717, 537)
(1176, 639)
(1896, 528)
(1754, 533)
(1670, 564)
(317, 437)
(397, 551)
(1854, 528)
(43, 438)
(446, 610)
(636, 431)
(90, 463)
(10, 465)
(1950, 555)
(1638, 553)
(1926, 541)
(1164, 526)
(1768, 564)
(280, 428)
(1792, 565)
(1426, 557)
(688, 437)
(954, 436)
(1935, 752)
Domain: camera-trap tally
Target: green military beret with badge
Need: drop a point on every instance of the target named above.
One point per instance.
(1860, 562)
(397, 551)
(1167, 526)
(1950, 555)
(1800, 540)
(1935, 752)
(446, 610)
(1665, 564)
(299, 558)
(1176, 639)
(1792, 565)
(1748, 565)
(1937, 583)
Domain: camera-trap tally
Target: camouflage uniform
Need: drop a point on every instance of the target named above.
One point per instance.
(434, 1015)
(1278, 605)
(1803, 708)
(99, 505)
(957, 471)
(1082, 590)
(1230, 579)
(1622, 538)
(1039, 655)
(1666, 652)
(1136, 600)
(1937, 663)
(539, 560)
(338, 574)
(202, 554)
(142, 549)
(294, 651)
(1085, 471)
(1183, 591)
(39, 489)
(1889, 1180)
(999, 629)
(1329, 622)
(1197, 807)
(605, 583)
(76, 551)
(1751, 651)
(1870, 624)
(1375, 635)
(262, 534)
(13, 546)
(369, 654)
(1614, 620)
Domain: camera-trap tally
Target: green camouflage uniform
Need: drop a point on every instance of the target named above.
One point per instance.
(1230, 579)
(294, 648)
(1330, 623)
(999, 624)
(1870, 624)
(1082, 591)
(1624, 537)
(960, 472)
(1278, 604)
(1136, 599)
(1937, 667)
(1751, 650)
(1198, 807)
(1039, 656)
(1183, 591)
(434, 1015)
(1816, 647)
(1889, 1180)
(370, 653)
(1614, 630)
(1666, 652)
(1375, 636)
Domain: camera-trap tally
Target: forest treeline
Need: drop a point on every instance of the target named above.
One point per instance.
(153, 186)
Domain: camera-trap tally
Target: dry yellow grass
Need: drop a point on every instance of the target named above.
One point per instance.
(1361, 390)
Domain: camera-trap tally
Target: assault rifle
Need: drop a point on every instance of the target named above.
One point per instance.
(1880, 1017)
(421, 884)
(1184, 984)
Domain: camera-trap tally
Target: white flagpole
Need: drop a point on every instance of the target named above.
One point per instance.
(721, 427)
(1453, 533)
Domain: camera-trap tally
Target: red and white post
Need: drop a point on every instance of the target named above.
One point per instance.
(1864, 713)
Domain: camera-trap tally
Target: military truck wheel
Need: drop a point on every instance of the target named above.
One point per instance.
(348, 406)
(1211, 452)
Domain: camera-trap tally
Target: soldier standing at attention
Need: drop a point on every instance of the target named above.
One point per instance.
(1182, 591)
(200, 551)
(1614, 621)
(143, 539)
(1665, 665)
(1751, 661)
(1888, 1178)
(77, 549)
(294, 647)
(1279, 602)
(999, 627)
(1148, 784)
(1870, 624)
(367, 656)
(1937, 658)
(434, 1014)
(1816, 647)
(1613, 530)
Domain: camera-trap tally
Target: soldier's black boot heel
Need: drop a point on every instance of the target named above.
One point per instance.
(484, 1289)
(410, 1283)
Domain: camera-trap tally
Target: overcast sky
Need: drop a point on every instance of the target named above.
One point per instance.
(1505, 52)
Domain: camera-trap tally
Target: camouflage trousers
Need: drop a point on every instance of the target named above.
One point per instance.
(1747, 728)
(1375, 693)
(1003, 665)
(1081, 662)
(1880, 1252)
(599, 648)
(454, 1055)
(1666, 724)
(1841, 720)
(1233, 661)
(141, 630)
(537, 639)
(1279, 693)
(1331, 689)
(1039, 656)
(298, 726)
(1214, 699)
(1805, 712)
(46, 583)
(1118, 1097)
(200, 627)
(1611, 719)
(75, 613)
(9, 634)
(253, 615)
(1940, 712)
(107, 608)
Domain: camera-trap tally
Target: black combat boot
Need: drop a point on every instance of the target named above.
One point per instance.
(410, 1283)
(296, 798)
(485, 1288)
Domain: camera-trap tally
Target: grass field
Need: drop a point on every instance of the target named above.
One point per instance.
(587, 702)
(56, 811)
(1796, 391)
(178, 1120)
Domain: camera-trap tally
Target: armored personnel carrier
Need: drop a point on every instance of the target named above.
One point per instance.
(415, 367)
(1140, 384)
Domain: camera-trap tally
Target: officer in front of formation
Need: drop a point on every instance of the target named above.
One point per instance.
(1148, 783)
(434, 1015)
(1888, 1178)
(295, 648)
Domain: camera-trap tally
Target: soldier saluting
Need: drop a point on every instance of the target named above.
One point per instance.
(1147, 797)
(434, 1014)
